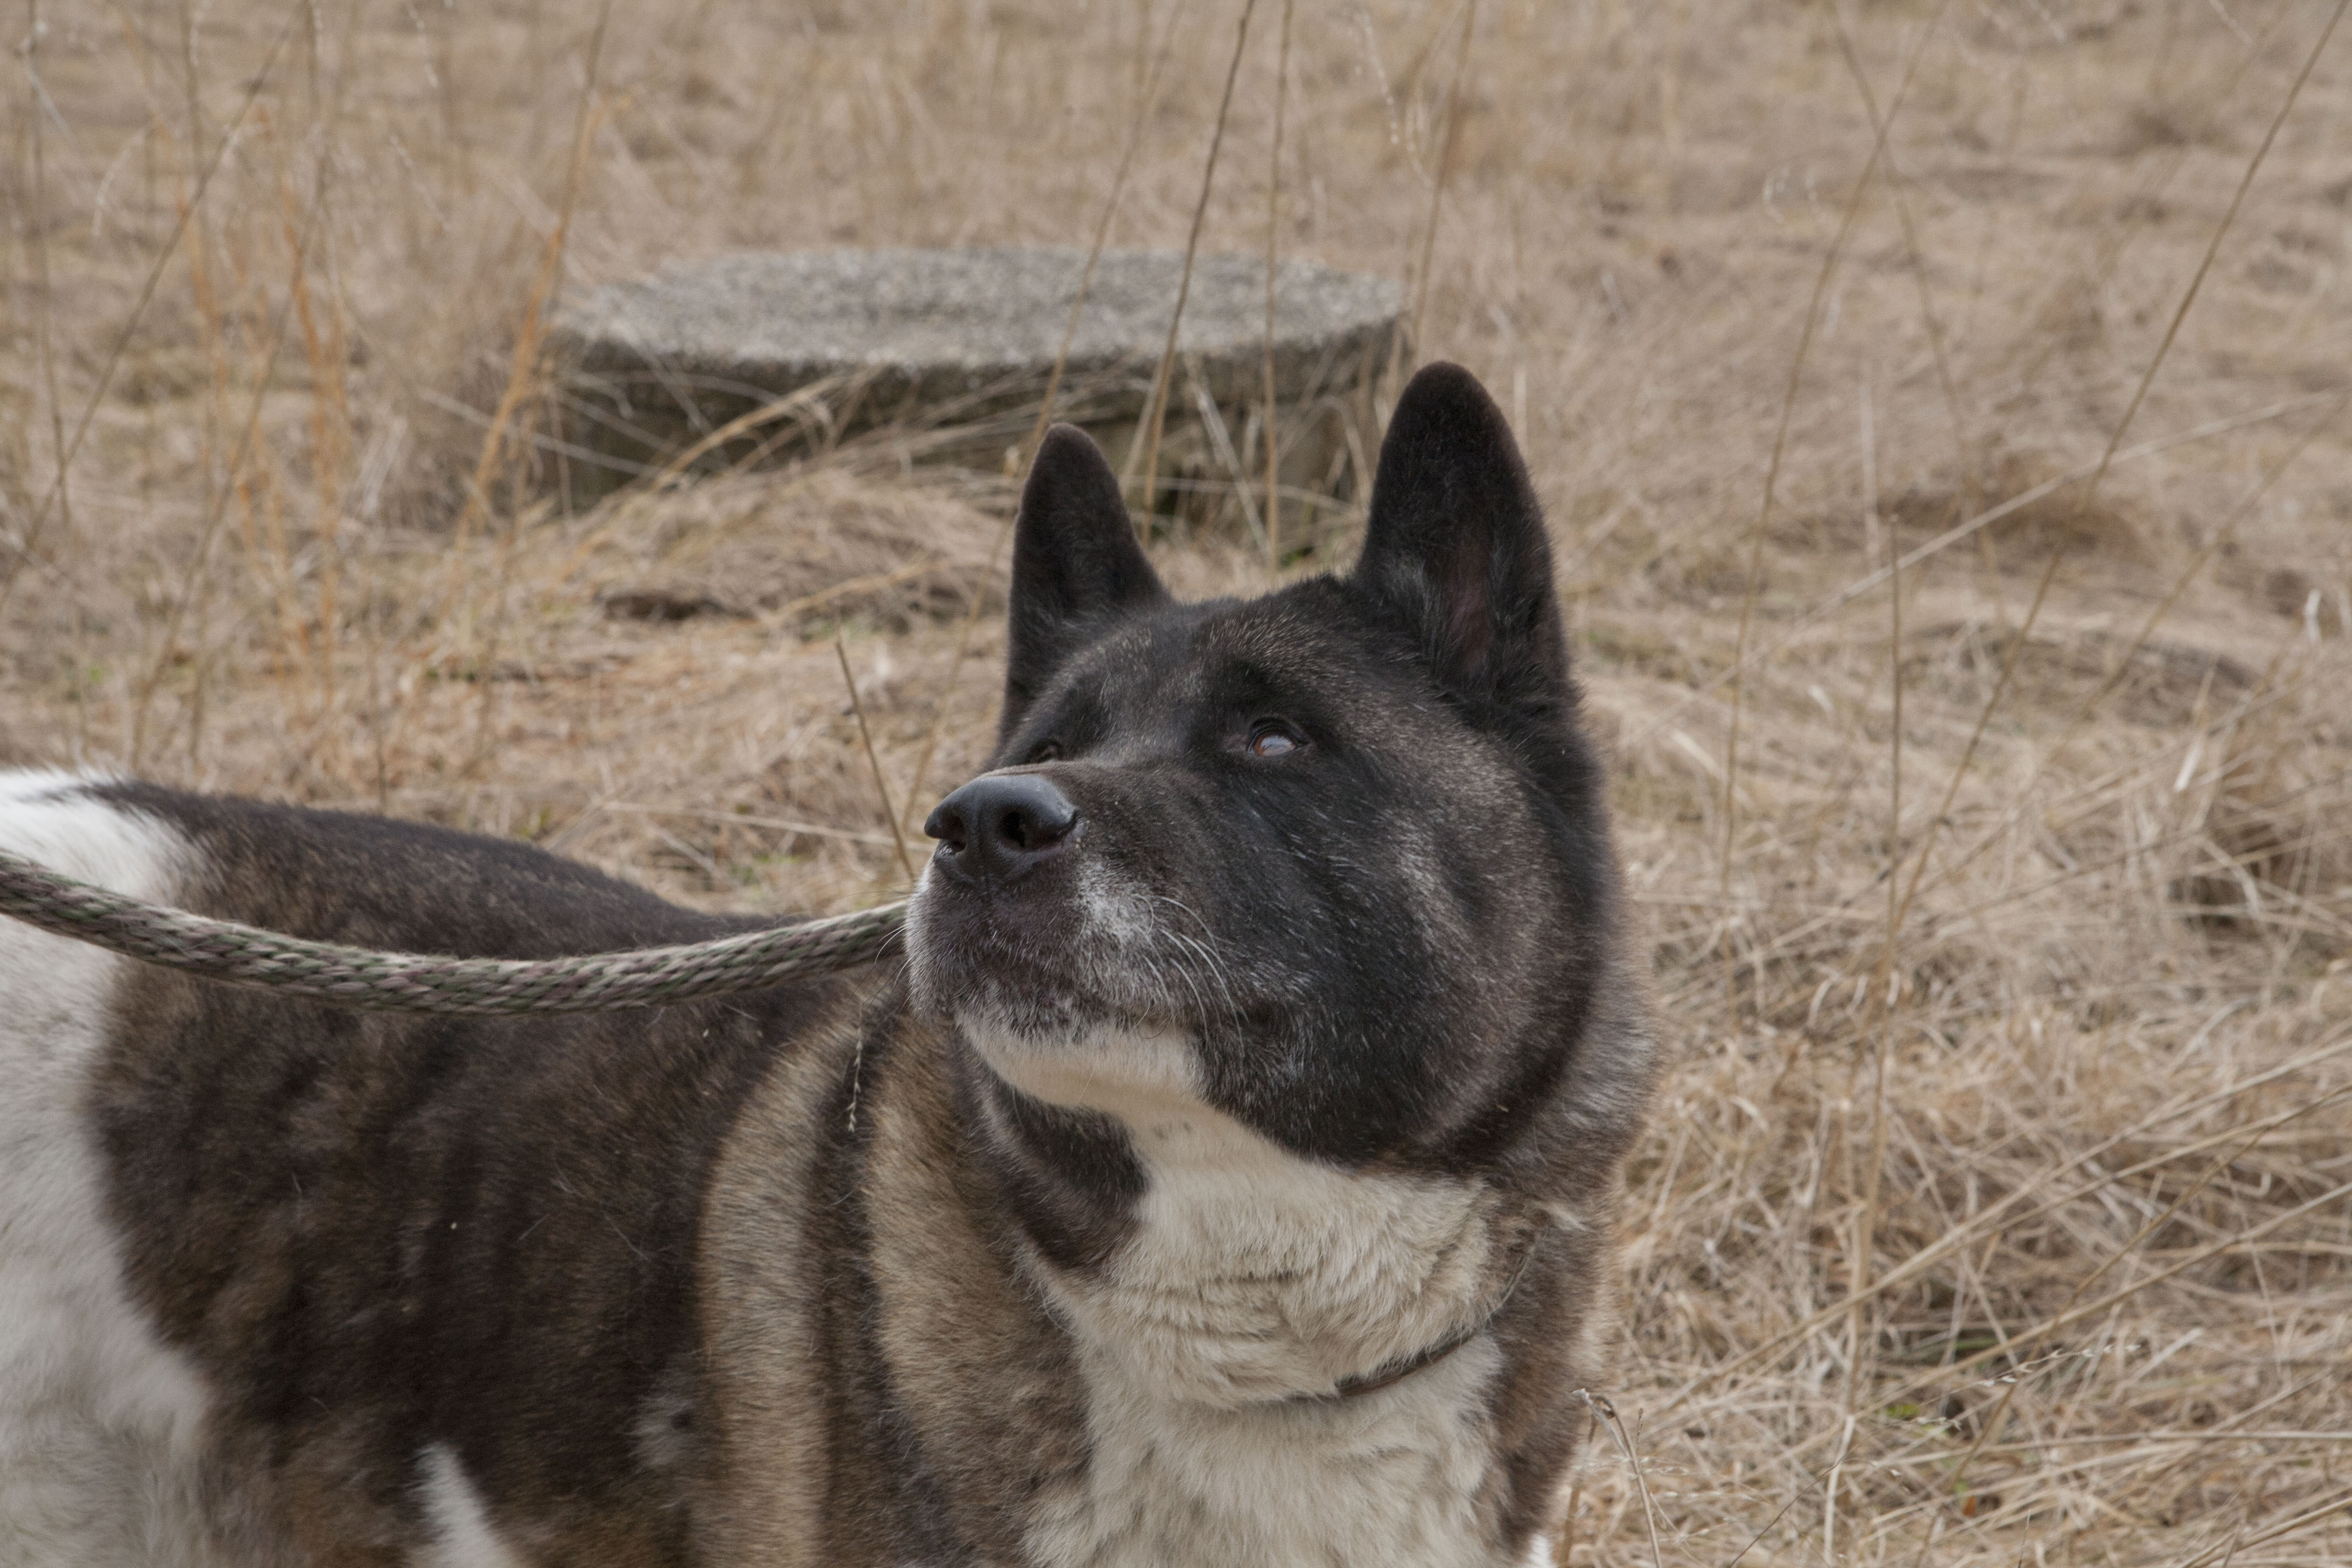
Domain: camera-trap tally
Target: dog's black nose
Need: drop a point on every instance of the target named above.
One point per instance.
(1001, 826)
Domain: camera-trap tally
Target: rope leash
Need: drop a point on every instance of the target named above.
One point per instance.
(360, 977)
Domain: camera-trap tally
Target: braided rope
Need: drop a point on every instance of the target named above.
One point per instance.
(419, 982)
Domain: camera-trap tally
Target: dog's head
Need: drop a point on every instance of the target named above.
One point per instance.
(1338, 852)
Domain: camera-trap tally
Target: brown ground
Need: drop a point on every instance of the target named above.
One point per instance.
(1997, 1210)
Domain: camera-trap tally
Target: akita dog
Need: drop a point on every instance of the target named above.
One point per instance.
(1226, 1178)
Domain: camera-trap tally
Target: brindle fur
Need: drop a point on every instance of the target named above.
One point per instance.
(800, 1276)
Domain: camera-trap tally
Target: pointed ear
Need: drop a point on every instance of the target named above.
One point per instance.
(1076, 564)
(1456, 546)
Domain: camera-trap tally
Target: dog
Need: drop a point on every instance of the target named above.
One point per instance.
(1227, 1175)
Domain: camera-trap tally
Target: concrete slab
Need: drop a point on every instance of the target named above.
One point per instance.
(950, 351)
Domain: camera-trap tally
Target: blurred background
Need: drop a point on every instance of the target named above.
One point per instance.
(1941, 416)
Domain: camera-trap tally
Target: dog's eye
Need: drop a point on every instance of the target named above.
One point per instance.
(1045, 752)
(1273, 738)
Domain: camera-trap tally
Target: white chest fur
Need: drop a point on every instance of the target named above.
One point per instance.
(1254, 1276)
(1389, 1479)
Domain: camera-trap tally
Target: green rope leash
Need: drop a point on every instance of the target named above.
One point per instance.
(419, 982)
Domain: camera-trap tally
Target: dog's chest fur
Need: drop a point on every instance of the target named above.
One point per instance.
(1252, 1283)
(1401, 1475)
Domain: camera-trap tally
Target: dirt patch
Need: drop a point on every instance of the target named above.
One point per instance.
(2158, 682)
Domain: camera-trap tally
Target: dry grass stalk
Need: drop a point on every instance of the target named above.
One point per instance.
(1155, 414)
(1450, 119)
(524, 375)
(1606, 1414)
(1754, 583)
(45, 346)
(1898, 187)
(1273, 510)
(881, 783)
(44, 318)
(1147, 98)
(1866, 1221)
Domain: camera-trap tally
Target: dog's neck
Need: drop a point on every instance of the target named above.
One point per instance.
(1243, 1273)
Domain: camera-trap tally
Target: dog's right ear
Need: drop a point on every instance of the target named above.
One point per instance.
(1076, 565)
(1455, 548)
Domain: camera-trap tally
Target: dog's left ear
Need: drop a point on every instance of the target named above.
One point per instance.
(1456, 546)
(1076, 565)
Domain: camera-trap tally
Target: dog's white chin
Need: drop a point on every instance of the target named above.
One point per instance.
(1126, 1071)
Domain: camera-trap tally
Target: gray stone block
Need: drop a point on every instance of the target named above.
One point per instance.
(949, 353)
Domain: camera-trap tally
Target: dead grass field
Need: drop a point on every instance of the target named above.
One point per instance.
(1996, 1206)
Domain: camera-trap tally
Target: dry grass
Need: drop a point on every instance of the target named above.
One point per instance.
(1997, 1206)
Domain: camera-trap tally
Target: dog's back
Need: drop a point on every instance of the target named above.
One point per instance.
(1229, 1180)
